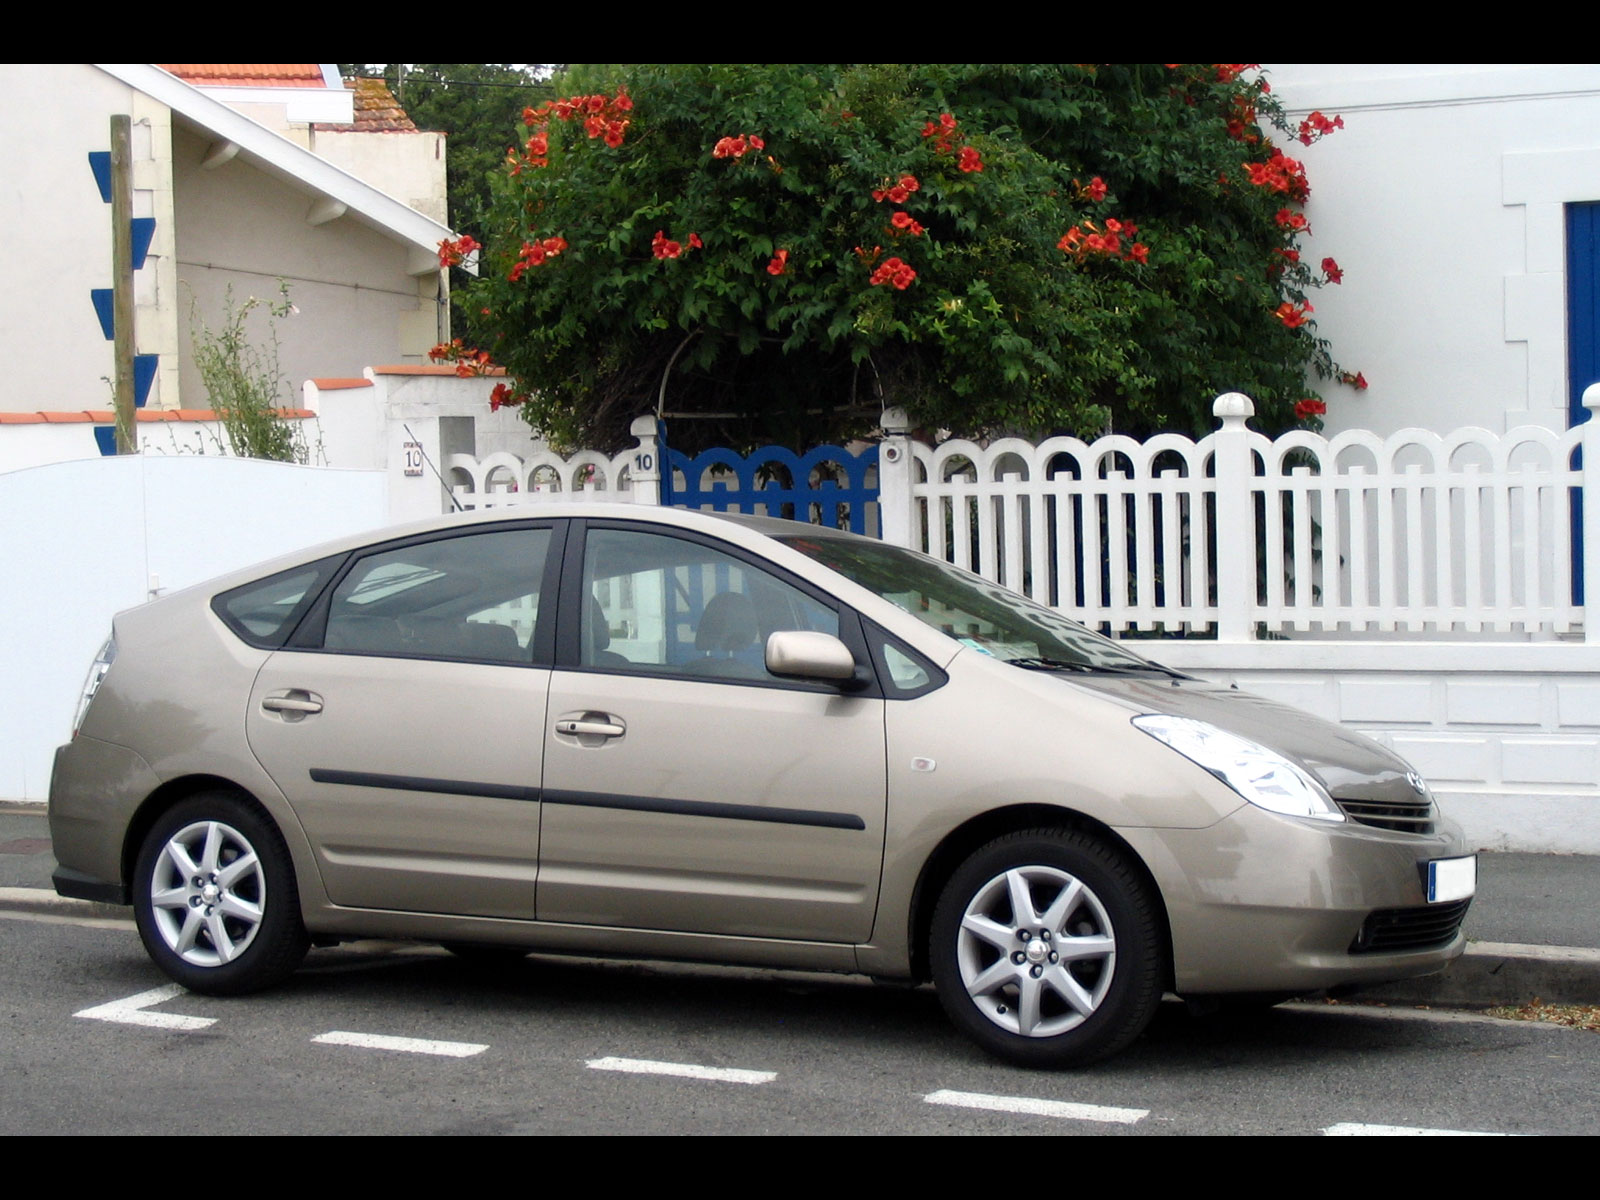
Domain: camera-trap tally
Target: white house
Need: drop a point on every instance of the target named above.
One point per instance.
(1461, 202)
(247, 182)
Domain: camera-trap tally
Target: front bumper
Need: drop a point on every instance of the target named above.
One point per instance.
(1265, 903)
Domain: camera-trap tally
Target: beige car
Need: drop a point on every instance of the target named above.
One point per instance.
(646, 732)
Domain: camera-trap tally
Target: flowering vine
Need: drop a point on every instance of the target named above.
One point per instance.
(602, 117)
(533, 254)
(737, 146)
(454, 253)
(468, 361)
(957, 234)
(894, 272)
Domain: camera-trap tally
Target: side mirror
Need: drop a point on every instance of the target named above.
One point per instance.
(809, 655)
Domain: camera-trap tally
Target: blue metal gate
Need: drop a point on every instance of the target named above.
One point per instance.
(825, 486)
(1583, 344)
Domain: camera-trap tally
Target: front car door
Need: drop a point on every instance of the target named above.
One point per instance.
(685, 787)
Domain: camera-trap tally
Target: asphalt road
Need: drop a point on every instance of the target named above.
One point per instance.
(96, 1041)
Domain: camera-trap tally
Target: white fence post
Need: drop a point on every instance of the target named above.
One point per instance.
(1236, 518)
(644, 477)
(894, 479)
(1591, 515)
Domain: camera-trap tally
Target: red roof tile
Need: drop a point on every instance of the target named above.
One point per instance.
(376, 110)
(306, 75)
(104, 416)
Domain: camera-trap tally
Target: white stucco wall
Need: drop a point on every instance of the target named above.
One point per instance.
(1442, 199)
(54, 115)
(357, 303)
(134, 524)
(408, 166)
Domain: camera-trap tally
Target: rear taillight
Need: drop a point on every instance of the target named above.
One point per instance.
(91, 685)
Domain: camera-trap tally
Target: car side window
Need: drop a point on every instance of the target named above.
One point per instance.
(472, 597)
(667, 605)
(266, 612)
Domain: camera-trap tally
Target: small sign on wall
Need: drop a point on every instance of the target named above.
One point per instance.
(413, 453)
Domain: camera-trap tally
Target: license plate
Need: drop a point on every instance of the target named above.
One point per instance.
(1452, 879)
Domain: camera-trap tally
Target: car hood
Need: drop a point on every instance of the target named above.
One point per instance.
(1348, 764)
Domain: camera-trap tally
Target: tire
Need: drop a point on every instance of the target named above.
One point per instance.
(214, 897)
(1006, 978)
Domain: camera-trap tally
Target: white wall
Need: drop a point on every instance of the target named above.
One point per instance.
(52, 116)
(86, 539)
(239, 227)
(1442, 199)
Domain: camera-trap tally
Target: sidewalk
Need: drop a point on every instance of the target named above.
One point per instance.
(1533, 930)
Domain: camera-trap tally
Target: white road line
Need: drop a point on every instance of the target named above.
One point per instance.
(645, 1066)
(382, 1041)
(1039, 1108)
(128, 1011)
(1356, 1129)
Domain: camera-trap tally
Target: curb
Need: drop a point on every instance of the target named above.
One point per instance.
(1494, 973)
(43, 900)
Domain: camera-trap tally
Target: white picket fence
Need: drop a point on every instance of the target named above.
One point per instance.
(1463, 533)
(1232, 535)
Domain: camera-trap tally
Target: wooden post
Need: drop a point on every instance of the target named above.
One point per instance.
(122, 282)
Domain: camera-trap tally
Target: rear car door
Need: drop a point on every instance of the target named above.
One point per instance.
(402, 722)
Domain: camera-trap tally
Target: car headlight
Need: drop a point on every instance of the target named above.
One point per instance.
(1263, 777)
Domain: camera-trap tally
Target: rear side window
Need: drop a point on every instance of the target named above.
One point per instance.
(265, 613)
(473, 597)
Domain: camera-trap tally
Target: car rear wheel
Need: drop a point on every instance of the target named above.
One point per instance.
(215, 898)
(1046, 949)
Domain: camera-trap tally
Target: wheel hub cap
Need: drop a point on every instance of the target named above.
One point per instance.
(208, 893)
(1036, 951)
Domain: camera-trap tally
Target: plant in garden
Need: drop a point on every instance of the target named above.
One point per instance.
(244, 384)
(780, 251)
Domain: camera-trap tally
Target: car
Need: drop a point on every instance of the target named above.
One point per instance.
(645, 732)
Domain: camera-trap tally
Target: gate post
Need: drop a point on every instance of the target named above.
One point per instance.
(894, 479)
(1236, 518)
(644, 474)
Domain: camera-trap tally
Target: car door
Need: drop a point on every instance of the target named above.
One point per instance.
(686, 788)
(403, 722)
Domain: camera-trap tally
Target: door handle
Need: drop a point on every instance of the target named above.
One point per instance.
(590, 728)
(293, 704)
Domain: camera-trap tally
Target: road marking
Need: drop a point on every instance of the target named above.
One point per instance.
(129, 1011)
(1038, 1108)
(645, 1066)
(1356, 1129)
(382, 1041)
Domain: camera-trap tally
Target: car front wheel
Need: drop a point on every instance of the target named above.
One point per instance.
(1046, 949)
(215, 898)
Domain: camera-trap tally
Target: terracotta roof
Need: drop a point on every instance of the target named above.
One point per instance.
(376, 110)
(104, 416)
(304, 75)
(429, 369)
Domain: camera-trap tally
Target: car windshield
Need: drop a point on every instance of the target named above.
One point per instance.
(979, 614)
